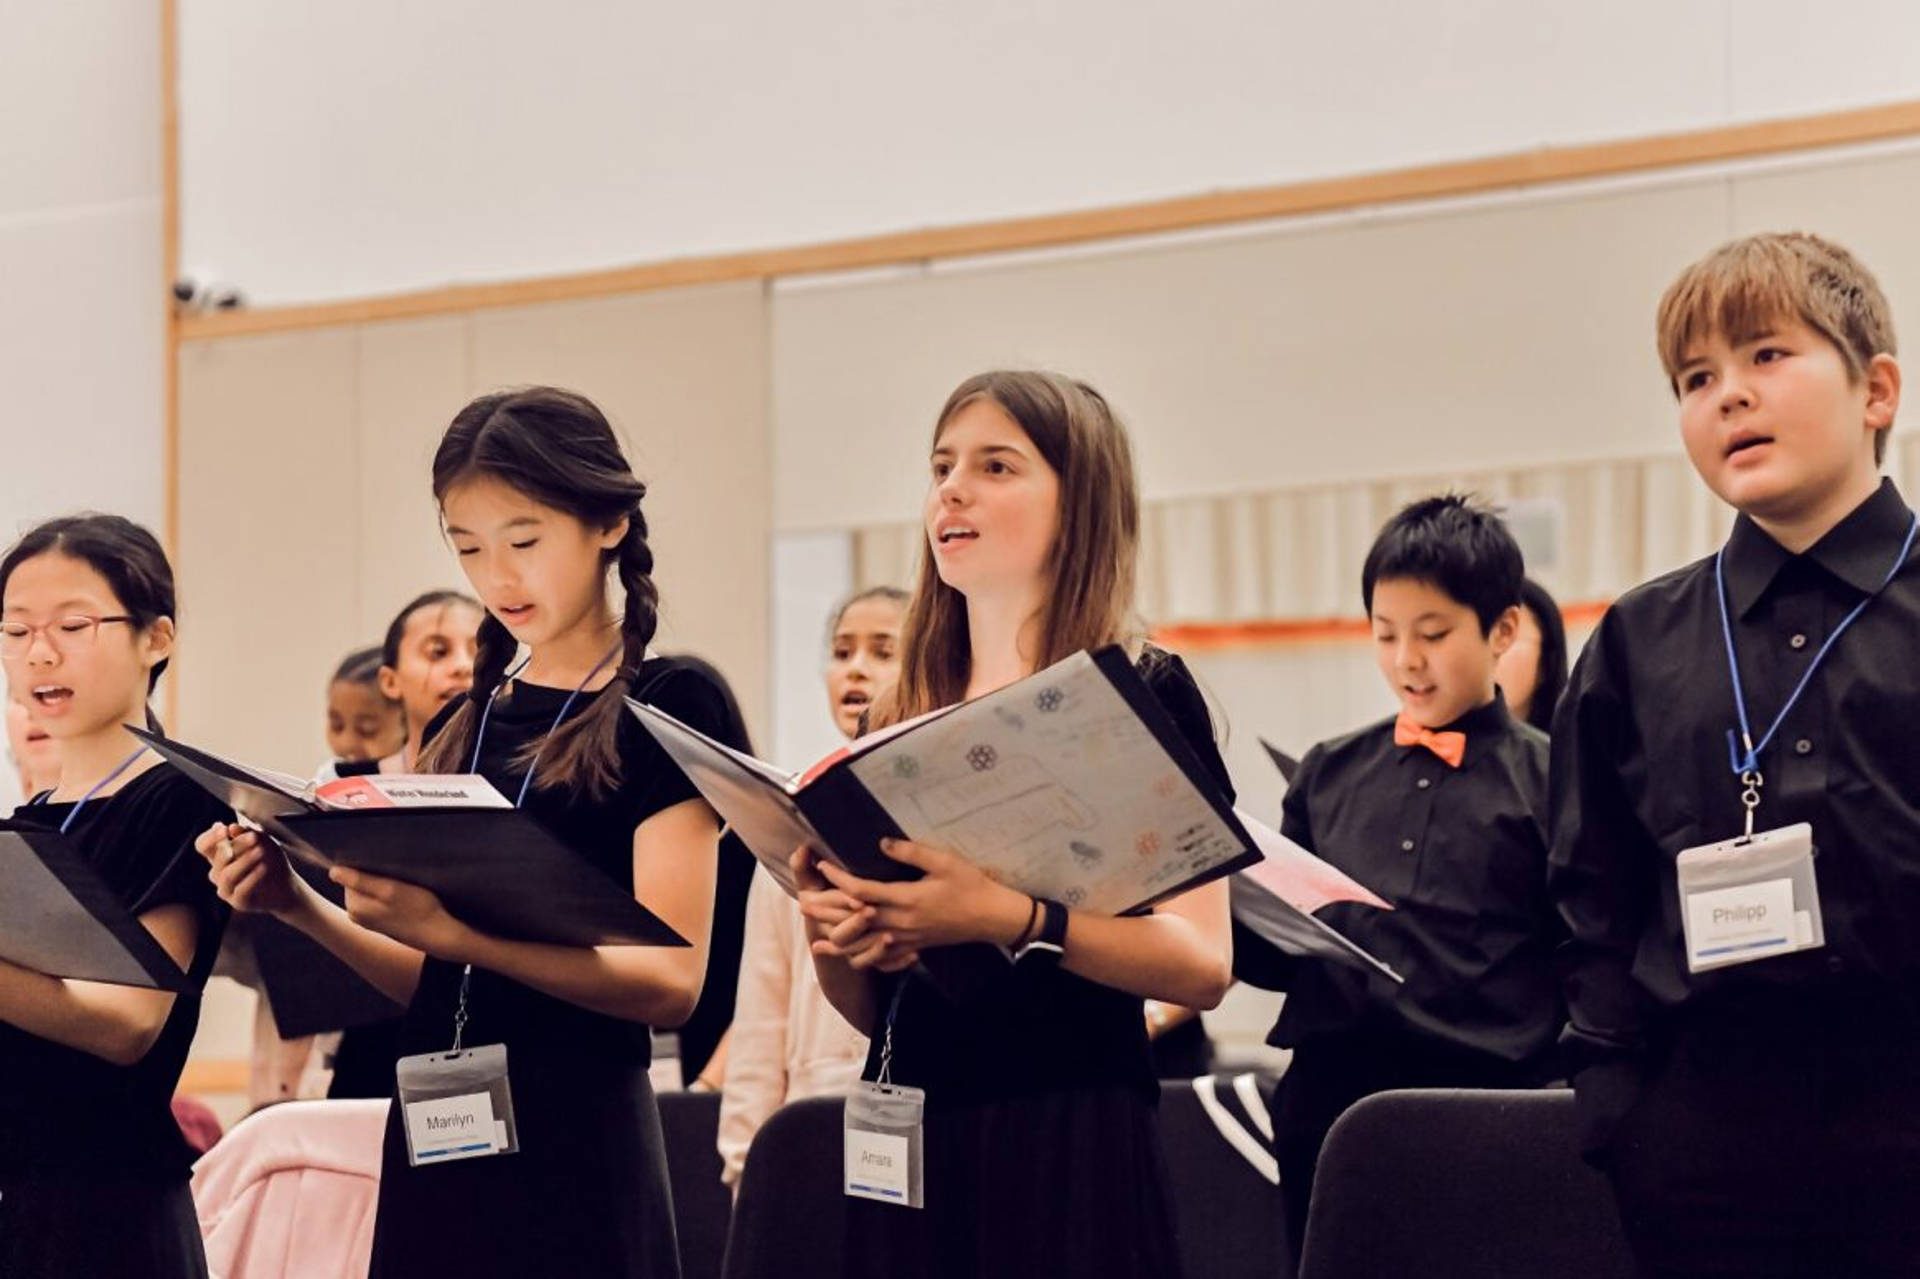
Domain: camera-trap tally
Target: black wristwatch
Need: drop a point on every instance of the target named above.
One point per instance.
(1050, 943)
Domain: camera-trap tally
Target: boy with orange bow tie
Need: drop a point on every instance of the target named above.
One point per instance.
(1442, 811)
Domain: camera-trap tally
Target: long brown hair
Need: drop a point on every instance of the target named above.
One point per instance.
(1089, 600)
(558, 449)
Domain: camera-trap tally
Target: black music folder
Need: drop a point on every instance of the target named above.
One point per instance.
(1286, 763)
(58, 916)
(495, 868)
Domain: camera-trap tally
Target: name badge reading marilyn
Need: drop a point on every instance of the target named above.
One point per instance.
(1743, 900)
(457, 1105)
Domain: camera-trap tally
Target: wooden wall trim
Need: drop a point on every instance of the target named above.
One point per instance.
(170, 269)
(204, 1075)
(1455, 178)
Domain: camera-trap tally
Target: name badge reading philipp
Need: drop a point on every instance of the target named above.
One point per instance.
(1749, 899)
(1731, 925)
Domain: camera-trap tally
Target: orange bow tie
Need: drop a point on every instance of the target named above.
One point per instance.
(1450, 747)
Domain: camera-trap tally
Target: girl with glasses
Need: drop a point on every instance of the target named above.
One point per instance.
(93, 1169)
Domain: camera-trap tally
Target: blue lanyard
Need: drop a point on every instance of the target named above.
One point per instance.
(98, 786)
(473, 765)
(1747, 767)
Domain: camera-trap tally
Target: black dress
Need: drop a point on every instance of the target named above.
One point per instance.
(1042, 1148)
(93, 1169)
(586, 1193)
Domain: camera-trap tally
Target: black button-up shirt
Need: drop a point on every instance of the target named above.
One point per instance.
(1461, 853)
(1641, 771)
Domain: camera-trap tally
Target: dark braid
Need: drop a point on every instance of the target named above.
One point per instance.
(555, 448)
(587, 747)
(642, 616)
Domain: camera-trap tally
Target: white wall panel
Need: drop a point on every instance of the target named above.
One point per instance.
(364, 147)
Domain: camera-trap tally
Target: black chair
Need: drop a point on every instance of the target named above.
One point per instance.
(1226, 1188)
(690, 1122)
(1441, 1182)
(790, 1220)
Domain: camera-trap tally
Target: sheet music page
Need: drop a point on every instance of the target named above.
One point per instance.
(1054, 786)
(1296, 876)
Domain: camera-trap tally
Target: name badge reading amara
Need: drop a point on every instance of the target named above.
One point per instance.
(457, 1105)
(1743, 900)
(883, 1144)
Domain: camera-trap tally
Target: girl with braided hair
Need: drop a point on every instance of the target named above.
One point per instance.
(542, 509)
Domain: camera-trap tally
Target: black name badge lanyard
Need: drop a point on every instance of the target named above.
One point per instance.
(1756, 896)
(458, 1104)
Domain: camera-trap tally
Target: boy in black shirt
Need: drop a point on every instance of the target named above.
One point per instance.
(1745, 1023)
(1442, 811)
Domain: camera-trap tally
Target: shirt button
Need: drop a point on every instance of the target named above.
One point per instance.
(1424, 782)
(1798, 641)
(1406, 845)
(1803, 747)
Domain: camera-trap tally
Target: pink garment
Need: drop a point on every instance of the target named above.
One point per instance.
(290, 1192)
(199, 1125)
(787, 1041)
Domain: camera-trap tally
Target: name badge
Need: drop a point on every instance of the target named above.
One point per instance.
(457, 1105)
(448, 1128)
(1748, 899)
(883, 1154)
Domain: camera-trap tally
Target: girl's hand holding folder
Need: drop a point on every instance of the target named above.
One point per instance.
(841, 926)
(953, 901)
(249, 871)
(408, 913)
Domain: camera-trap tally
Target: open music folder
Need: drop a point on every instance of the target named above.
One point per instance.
(1276, 899)
(1072, 784)
(493, 866)
(59, 917)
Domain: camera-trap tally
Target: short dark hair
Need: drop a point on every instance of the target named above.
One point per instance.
(1456, 544)
(397, 629)
(1550, 676)
(126, 554)
(361, 666)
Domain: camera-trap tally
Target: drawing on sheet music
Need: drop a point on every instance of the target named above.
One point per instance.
(1040, 799)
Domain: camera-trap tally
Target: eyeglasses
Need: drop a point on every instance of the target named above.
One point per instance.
(67, 635)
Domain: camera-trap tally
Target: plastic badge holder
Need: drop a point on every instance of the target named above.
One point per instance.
(1724, 891)
(457, 1105)
(884, 1152)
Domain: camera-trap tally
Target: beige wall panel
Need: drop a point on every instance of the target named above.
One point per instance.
(269, 537)
(1867, 206)
(683, 376)
(413, 377)
(1500, 335)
